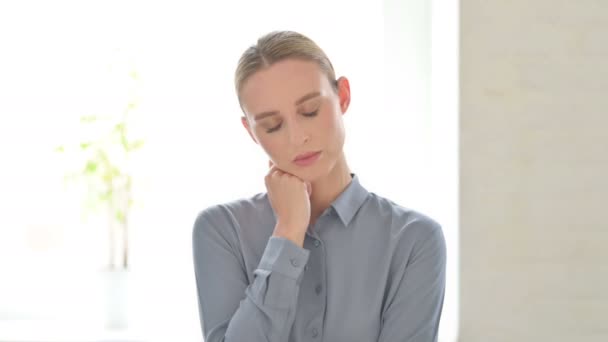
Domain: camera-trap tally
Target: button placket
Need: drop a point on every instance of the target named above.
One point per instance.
(314, 301)
(318, 290)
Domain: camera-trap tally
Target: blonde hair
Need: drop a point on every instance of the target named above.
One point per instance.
(276, 46)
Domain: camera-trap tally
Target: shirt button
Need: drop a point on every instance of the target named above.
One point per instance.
(318, 289)
(315, 332)
(295, 262)
(317, 243)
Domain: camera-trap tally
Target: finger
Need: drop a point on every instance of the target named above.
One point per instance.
(272, 167)
(275, 171)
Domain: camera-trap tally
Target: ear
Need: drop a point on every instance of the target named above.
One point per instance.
(245, 123)
(343, 93)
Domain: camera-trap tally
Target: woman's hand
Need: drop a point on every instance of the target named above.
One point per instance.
(290, 199)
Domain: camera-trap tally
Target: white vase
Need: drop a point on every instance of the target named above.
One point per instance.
(116, 299)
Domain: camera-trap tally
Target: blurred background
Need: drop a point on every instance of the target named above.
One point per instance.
(119, 123)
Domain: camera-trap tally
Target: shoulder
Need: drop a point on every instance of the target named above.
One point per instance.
(402, 219)
(414, 239)
(408, 230)
(229, 213)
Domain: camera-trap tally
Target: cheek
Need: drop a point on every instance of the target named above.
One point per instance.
(273, 148)
(333, 128)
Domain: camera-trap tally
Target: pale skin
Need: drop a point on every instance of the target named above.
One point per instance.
(293, 90)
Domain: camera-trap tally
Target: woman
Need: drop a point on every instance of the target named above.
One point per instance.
(317, 257)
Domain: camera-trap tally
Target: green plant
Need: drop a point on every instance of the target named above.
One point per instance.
(104, 155)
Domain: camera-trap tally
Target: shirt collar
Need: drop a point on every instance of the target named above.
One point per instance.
(350, 200)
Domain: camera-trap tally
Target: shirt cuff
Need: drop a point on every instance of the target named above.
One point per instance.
(285, 257)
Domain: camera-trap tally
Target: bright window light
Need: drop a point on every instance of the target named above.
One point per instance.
(173, 64)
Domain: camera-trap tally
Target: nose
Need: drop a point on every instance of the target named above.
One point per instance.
(297, 134)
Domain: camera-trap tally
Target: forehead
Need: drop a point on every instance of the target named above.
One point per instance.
(281, 85)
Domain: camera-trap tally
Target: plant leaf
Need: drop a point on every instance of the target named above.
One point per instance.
(135, 145)
(90, 167)
(120, 216)
(132, 105)
(85, 145)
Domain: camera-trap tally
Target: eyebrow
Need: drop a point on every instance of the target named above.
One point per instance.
(304, 98)
(308, 97)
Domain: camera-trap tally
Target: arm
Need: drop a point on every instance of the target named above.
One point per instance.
(231, 309)
(413, 310)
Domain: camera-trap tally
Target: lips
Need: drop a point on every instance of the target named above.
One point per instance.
(305, 155)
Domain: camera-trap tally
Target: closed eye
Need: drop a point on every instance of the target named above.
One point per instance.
(277, 127)
(311, 114)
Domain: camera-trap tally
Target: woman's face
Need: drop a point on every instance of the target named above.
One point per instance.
(291, 108)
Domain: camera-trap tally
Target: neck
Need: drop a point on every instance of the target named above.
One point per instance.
(326, 189)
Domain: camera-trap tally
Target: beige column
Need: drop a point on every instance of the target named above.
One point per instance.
(534, 171)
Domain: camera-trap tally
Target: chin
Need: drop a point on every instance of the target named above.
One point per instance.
(313, 173)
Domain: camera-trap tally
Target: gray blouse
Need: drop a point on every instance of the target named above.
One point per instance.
(370, 270)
